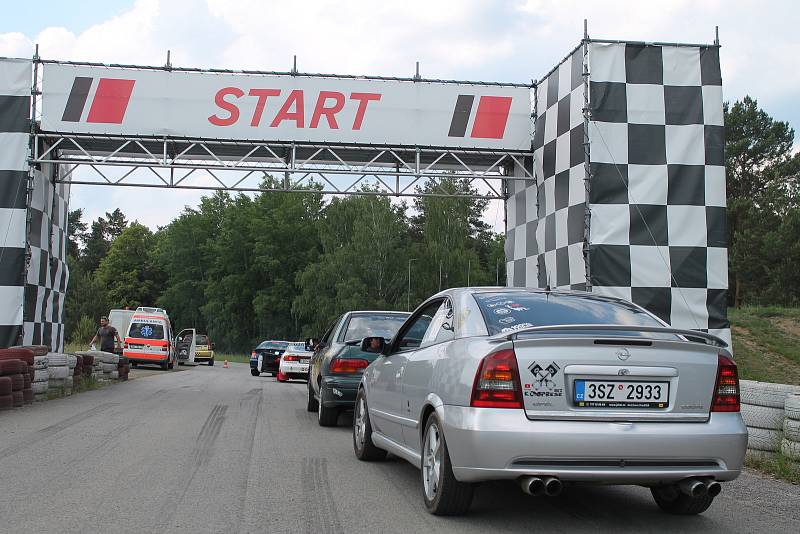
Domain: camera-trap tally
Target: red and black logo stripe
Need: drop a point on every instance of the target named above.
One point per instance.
(109, 103)
(489, 121)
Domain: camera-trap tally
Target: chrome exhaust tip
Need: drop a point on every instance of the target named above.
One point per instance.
(692, 487)
(552, 486)
(533, 486)
(713, 488)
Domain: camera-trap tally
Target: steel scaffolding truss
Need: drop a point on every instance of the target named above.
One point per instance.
(242, 165)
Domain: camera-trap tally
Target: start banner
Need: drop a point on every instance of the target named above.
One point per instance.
(283, 108)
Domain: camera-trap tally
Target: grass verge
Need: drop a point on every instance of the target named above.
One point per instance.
(777, 465)
(766, 343)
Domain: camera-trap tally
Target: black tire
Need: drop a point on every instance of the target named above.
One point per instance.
(211, 362)
(364, 448)
(672, 501)
(170, 365)
(134, 365)
(450, 496)
(254, 372)
(164, 366)
(312, 405)
(326, 416)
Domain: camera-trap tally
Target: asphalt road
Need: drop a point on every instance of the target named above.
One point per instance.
(217, 450)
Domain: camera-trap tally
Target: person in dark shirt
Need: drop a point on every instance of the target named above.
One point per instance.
(106, 334)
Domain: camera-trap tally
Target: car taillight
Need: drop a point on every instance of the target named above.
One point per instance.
(726, 390)
(497, 382)
(348, 365)
(291, 358)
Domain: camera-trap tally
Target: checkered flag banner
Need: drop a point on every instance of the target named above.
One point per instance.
(33, 225)
(629, 195)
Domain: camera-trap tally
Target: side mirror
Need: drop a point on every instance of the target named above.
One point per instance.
(311, 343)
(375, 345)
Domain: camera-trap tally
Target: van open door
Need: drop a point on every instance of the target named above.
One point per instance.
(186, 346)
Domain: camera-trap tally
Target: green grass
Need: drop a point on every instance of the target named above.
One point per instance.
(220, 357)
(777, 465)
(766, 343)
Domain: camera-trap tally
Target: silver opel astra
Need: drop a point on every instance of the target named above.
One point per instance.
(548, 388)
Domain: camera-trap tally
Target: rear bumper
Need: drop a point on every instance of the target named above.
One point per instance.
(339, 391)
(294, 369)
(492, 444)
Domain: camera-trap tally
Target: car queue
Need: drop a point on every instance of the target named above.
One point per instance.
(544, 388)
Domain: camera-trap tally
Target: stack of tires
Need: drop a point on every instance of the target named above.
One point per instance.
(763, 411)
(88, 364)
(77, 373)
(40, 378)
(790, 446)
(16, 377)
(109, 363)
(57, 372)
(123, 368)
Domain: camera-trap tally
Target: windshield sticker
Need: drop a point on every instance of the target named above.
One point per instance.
(502, 311)
(515, 327)
(507, 320)
(146, 331)
(517, 307)
(545, 382)
(500, 303)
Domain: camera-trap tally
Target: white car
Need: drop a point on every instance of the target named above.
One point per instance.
(294, 362)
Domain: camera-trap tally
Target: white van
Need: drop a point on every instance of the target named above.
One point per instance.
(149, 339)
(121, 320)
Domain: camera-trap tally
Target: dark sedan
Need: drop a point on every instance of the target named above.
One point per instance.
(338, 361)
(266, 357)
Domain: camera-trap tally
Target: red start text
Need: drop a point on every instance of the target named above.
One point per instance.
(293, 109)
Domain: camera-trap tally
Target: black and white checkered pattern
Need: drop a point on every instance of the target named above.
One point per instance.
(655, 232)
(549, 214)
(15, 99)
(48, 274)
(657, 198)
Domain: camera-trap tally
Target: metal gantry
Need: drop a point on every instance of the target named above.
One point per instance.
(243, 165)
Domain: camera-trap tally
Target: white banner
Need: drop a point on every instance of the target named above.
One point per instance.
(101, 100)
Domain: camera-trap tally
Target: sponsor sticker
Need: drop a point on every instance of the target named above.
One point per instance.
(502, 311)
(506, 320)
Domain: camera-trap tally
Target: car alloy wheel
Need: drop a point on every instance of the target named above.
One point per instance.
(360, 423)
(432, 461)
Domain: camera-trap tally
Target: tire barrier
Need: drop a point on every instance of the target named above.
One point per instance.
(764, 410)
(790, 444)
(123, 368)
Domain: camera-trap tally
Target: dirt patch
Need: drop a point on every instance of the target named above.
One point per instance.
(790, 327)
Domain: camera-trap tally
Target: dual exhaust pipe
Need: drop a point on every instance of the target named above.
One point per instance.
(551, 486)
(538, 486)
(698, 487)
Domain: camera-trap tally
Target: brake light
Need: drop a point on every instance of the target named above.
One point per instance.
(348, 365)
(497, 382)
(726, 390)
(291, 358)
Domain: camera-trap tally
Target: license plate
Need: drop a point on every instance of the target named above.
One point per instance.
(621, 394)
(134, 346)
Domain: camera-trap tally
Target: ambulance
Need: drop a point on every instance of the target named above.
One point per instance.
(149, 338)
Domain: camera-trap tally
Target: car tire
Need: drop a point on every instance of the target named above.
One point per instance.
(681, 504)
(363, 446)
(449, 496)
(254, 372)
(211, 362)
(326, 416)
(312, 405)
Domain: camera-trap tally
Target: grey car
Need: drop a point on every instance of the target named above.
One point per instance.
(547, 388)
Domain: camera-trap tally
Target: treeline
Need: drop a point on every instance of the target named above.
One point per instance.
(283, 265)
(280, 265)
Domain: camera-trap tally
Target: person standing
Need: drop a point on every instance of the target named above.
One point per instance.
(106, 334)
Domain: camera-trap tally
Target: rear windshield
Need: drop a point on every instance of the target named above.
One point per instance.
(505, 312)
(275, 345)
(146, 330)
(384, 325)
(200, 339)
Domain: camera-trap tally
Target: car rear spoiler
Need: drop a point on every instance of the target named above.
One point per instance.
(708, 339)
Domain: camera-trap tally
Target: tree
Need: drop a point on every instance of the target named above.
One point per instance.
(761, 175)
(128, 274)
(76, 232)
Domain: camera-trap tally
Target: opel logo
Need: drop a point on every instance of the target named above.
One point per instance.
(623, 354)
(624, 372)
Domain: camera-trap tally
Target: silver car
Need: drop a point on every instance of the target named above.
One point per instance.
(548, 388)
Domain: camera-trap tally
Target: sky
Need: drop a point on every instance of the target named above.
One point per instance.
(490, 40)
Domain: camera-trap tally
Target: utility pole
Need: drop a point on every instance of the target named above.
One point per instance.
(408, 298)
(469, 268)
(497, 271)
(440, 275)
